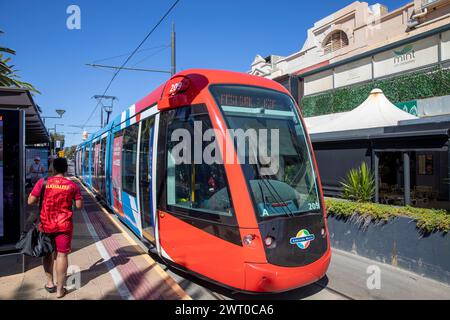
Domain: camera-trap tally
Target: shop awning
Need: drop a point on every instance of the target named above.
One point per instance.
(14, 99)
(423, 133)
(318, 121)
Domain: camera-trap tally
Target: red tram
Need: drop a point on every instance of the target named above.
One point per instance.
(249, 225)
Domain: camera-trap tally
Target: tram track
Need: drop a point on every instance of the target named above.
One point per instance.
(331, 291)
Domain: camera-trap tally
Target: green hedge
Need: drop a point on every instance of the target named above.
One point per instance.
(408, 87)
(428, 220)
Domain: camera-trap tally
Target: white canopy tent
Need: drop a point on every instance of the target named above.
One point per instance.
(377, 111)
(317, 121)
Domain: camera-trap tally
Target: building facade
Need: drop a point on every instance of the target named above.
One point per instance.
(406, 53)
(364, 45)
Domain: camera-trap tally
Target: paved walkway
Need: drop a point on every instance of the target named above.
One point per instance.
(106, 263)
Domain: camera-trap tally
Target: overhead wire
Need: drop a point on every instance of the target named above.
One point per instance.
(126, 54)
(130, 56)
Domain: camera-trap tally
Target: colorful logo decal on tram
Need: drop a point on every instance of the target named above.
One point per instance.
(303, 239)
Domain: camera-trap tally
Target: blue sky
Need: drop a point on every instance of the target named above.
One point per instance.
(210, 34)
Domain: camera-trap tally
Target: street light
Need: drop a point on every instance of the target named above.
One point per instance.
(60, 113)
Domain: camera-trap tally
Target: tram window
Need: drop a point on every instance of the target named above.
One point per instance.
(194, 187)
(77, 172)
(86, 161)
(101, 167)
(79, 163)
(95, 157)
(91, 160)
(76, 163)
(290, 186)
(129, 158)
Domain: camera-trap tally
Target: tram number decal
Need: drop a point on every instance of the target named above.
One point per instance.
(314, 205)
(175, 87)
(178, 87)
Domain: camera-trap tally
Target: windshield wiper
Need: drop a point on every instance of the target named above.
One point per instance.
(277, 196)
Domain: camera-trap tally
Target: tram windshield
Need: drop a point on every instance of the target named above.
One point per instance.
(272, 148)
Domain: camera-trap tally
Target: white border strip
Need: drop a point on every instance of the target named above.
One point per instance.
(115, 274)
(123, 118)
(132, 114)
(137, 206)
(149, 112)
(154, 171)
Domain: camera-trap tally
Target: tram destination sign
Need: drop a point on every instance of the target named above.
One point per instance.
(235, 100)
(248, 97)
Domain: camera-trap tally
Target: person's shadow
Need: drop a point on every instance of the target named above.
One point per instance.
(122, 256)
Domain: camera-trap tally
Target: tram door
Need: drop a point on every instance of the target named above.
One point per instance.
(145, 178)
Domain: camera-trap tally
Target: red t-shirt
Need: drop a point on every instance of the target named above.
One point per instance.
(59, 194)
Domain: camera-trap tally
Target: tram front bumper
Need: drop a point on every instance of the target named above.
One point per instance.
(264, 277)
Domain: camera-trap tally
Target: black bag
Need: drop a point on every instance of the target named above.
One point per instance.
(35, 243)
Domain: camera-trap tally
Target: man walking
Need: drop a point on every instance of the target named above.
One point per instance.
(56, 220)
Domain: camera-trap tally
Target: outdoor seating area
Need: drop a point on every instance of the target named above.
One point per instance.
(391, 194)
(421, 196)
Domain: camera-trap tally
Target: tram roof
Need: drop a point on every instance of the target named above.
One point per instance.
(202, 78)
(198, 79)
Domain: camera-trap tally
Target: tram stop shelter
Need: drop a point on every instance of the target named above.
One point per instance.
(409, 156)
(21, 126)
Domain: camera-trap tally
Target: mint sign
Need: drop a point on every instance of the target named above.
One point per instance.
(405, 55)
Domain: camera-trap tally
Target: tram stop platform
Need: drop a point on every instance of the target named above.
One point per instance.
(105, 263)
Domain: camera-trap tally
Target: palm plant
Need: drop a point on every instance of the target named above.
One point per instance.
(359, 184)
(8, 74)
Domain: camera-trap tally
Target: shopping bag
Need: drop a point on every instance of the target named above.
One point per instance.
(35, 243)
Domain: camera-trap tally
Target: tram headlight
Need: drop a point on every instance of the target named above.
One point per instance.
(248, 239)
